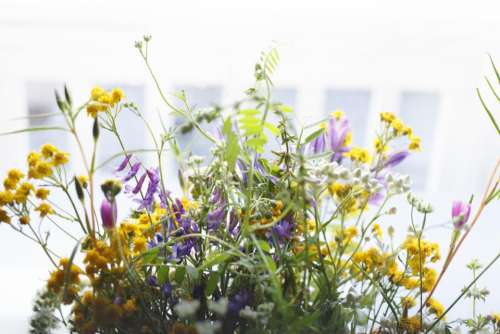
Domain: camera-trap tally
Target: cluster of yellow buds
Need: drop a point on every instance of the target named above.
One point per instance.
(41, 163)
(101, 100)
(65, 280)
(18, 187)
(399, 129)
(359, 154)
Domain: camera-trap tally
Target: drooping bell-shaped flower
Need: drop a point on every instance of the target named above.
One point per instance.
(460, 213)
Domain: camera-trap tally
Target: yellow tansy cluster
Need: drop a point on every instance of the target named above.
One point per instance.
(359, 154)
(350, 198)
(435, 307)
(65, 281)
(398, 129)
(41, 164)
(101, 100)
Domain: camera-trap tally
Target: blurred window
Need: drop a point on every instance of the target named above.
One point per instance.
(419, 110)
(43, 112)
(131, 128)
(356, 106)
(198, 97)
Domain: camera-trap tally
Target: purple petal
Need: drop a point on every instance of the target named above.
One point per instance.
(132, 172)
(138, 186)
(396, 158)
(124, 163)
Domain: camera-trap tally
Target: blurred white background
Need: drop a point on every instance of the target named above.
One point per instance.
(421, 61)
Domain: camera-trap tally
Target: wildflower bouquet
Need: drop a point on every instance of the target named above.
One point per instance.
(276, 230)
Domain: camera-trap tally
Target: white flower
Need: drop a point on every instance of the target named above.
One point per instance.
(219, 307)
(207, 327)
(185, 308)
(248, 313)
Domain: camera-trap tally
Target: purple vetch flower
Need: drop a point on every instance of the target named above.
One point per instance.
(460, 213)
(318, 144)
(215, 218)
(282, 231)
(152, 280)
(139, 184)
(109, 213)
(154, 181)
(377, 198)
(260, 169)
(337, 133)
(238, 301)
(124, 163)
(395, 159)
(132, 172)
(166, 289)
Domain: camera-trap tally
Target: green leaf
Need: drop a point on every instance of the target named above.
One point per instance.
(249, 112)
(180, 272)
(150, 255)
(314, 135)
(215, 259)
(257, 143)
(162, 274)
(274, 130)
(284, 108)
(212, 282)
(232, 146)
(271, 264)
(264, 245)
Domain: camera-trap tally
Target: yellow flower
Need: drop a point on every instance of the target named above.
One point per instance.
(6, 197)
(96, 93)
(351, 232)
(414, 144)
(359, 154)
(379, 146)
(42, 169)
(33, 158)
(338, 114)
(435, 307)
(42, 193)
(4, 217)
(387, 117)
(24, 220)
(105, 98)
(48, 150)
(408, 302)
(45, 209)
(92, 110)
(60, 158)
(22, 193)
(140, 244)
(15, 174)
(117, 95)
(377, 230)
(84, 180)
(129, 306)
(398, 127)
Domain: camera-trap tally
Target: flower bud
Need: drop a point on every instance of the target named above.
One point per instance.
(95, 129)
(109, 213)
(79, 189)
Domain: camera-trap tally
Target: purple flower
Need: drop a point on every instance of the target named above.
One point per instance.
(215, 218)
(152, 280)
(238, 301)
(132, 172)
(109, 213)
(395, 159)
(460, 213)
(139, 184)
(318, 144)
(336, 134)
(154, 181)
(124, 163)
(166, 289)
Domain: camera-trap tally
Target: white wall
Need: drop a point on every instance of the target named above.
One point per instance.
(382, 46)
